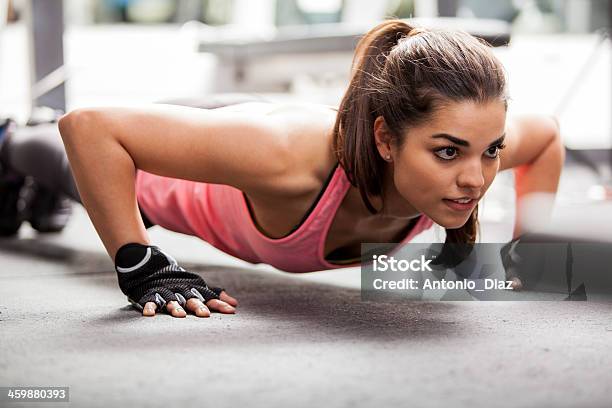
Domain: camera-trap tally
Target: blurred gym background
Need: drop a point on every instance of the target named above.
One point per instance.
(60, 55)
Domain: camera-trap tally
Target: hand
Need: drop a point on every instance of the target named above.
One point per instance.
(157, 282)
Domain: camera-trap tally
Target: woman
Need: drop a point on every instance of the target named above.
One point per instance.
(415, 140)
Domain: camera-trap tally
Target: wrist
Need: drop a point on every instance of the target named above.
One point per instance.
(131, 254)
(533, 212)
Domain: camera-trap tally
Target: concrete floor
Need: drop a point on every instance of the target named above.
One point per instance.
(296, 340)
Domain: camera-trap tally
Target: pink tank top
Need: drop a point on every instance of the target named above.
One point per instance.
(220, 215)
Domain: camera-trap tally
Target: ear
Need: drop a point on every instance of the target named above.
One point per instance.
(383, 139)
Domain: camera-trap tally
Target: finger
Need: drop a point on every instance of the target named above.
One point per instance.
(195, 306)
(175, 309)
(220, 306)
(149, 309)
(228, 299)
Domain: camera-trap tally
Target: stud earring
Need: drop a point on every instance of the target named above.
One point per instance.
(388, 157)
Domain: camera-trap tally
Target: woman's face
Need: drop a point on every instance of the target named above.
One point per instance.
(454, 155)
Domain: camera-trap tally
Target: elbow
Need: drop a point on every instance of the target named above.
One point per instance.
(551, 156)
(555, 128)
(550, 146)
(556, 140)
(77, 122)
(552, 129)
(67, 124)
(64, 122)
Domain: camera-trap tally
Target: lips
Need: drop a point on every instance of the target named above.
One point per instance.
(460, 206)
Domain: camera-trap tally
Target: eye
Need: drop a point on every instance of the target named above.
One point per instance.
(494, 151)
(448, 150)
(444, 152)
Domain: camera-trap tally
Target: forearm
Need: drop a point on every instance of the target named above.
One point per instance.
(536, 186)
(104, 173)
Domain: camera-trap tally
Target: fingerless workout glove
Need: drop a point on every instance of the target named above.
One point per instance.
(511, 258)
(147, 274)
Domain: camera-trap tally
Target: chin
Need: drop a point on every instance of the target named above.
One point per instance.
(450, 222)
(448, 225)
(449, 219)
(457, 226)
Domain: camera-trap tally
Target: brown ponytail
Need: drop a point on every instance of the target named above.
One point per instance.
(404, 74)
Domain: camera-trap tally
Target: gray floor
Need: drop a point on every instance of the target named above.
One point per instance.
(296, 340)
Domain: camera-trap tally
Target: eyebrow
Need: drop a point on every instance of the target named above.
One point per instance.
(462, 142)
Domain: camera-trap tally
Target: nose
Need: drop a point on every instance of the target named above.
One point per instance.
(471, 176)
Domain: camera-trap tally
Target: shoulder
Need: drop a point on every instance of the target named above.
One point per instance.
(306, 131)
(309, 130)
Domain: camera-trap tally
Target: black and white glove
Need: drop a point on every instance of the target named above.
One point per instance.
(148, 274)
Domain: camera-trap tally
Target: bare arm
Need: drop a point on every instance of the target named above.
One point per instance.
(105, 146)
(536, 153)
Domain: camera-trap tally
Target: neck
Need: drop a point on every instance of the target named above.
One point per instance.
(391, 206)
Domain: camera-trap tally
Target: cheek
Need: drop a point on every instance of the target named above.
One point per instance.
(420, 181)
(489, 173)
